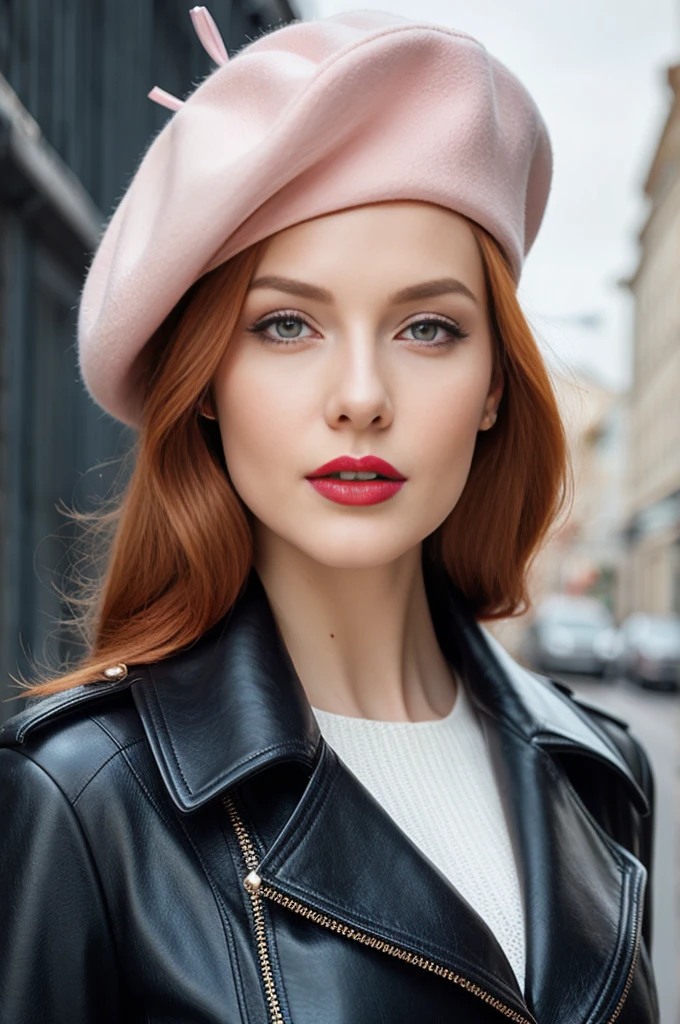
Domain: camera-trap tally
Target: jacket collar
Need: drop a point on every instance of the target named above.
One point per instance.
(226, 707)
(232, 703)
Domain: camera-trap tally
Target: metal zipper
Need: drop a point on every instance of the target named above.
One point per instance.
(256, 890)
(629, 979)
(250, 857)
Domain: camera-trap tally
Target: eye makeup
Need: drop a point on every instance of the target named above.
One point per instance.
(293, 319)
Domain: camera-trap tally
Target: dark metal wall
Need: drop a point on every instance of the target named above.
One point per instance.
(83, 68)
(80, 70)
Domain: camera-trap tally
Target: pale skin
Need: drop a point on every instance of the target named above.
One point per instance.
(359, 372)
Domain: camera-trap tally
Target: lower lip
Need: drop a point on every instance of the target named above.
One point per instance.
(356, 492)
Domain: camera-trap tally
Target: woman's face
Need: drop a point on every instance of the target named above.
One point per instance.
(364, 332)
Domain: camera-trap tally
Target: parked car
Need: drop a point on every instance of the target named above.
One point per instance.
(571, 634)
(650, 650)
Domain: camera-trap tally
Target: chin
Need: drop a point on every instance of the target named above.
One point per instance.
(370, 551)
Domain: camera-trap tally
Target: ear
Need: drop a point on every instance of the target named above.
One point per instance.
(206, 406)
(493, 400)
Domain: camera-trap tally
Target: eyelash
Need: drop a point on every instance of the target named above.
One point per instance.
(455, 332)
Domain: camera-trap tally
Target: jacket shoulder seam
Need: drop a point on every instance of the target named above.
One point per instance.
(87, 848)
(116, 753)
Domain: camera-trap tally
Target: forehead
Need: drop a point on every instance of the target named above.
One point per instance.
(390, 243)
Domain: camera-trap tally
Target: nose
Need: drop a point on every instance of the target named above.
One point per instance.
(359, 391)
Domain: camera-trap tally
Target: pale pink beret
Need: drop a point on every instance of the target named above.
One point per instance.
(312, 118)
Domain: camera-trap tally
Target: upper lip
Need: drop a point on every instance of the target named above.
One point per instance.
(366, 464)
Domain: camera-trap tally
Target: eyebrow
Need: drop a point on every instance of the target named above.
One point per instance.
(426, 290)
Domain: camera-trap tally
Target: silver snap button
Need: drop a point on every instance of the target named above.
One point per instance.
(116, 672)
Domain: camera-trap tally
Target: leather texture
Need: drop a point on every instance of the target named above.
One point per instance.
(122, 872)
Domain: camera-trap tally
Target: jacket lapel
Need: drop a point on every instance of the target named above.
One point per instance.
(583, 892)
(343, 855)
(232, 706)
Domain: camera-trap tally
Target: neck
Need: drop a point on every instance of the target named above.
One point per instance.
(361, 639)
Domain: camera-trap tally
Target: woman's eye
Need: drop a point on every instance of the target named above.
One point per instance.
(436, 332)
(281, 329)
(286, 328)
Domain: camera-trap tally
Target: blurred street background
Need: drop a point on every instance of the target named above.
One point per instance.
(601, 289)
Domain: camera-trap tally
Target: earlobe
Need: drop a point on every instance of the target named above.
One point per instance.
(205, 405)
(491, 412)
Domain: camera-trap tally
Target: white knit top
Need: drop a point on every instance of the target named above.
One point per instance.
(435, 779)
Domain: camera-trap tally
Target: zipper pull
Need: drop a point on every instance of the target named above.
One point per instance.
(252, 881)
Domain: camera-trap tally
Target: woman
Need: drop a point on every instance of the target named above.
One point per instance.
(295, 779)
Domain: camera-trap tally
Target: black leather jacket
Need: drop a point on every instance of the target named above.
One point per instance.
(133, 813)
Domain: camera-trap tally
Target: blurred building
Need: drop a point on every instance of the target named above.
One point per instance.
(584, 552)
(74, 123)
(651, 579)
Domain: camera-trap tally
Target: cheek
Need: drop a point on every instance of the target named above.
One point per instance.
(446, 421)
(258, 420)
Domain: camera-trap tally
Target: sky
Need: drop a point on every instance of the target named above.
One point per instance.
(597, 70)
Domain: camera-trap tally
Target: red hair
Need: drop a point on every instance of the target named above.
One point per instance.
(171, 573)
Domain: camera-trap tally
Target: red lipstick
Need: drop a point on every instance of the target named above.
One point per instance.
(357, 492)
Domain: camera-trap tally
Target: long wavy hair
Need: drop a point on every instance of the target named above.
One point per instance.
(178, 539)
